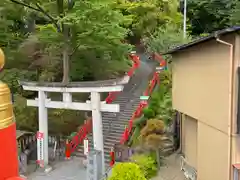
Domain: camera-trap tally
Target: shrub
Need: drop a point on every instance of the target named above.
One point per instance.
(146, 163)
(126, 171)
(148, 113)
(153, 126)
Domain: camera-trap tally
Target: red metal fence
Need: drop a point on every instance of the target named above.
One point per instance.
(155, 79)
(141, 106)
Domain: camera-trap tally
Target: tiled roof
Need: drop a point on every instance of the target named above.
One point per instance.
(20, 133)
(204, 39)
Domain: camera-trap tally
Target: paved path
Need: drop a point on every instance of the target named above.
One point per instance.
(66, 170)
(171, 169)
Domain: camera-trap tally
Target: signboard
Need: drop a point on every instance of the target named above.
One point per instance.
(40, 159)
(145, 98)
(160, 68)
(86, 148)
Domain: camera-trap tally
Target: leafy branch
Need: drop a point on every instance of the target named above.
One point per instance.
(41, 10)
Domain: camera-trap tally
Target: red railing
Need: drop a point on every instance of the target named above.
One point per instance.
(136, 64)
(86, 128)
(142, 105)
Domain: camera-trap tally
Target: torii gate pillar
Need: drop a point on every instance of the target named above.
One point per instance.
(43, 125)
(97, 124)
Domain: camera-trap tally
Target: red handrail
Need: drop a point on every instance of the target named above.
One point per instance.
(139, 109)
(141, 106)
(136, 64)
(87, 127)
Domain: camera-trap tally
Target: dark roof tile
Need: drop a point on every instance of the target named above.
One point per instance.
(203, 39)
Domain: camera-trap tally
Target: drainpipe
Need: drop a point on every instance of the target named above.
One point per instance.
(230, 110)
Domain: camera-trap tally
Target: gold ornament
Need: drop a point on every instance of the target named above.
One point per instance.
(6, 107)
(2, 59)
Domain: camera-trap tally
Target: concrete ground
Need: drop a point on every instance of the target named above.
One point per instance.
(171, 169)
(66, 170)
(74, 170)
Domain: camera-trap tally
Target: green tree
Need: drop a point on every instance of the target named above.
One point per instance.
(208, 16)
(147, 16)
(84, 33)
(165, 38)
(235, 12)
(34, 39)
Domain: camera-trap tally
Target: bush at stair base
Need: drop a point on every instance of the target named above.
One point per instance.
(127, 171)
(146, 163)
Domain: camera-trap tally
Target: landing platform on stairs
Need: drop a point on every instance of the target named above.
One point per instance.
(66, 170)
(171, 169)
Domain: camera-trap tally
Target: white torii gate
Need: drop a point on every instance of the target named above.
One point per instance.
(95, 105)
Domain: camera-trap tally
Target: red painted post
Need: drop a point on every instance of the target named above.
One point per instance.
(126, 134)
(67, 150)
(112, 156)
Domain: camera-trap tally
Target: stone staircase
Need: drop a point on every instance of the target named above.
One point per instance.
(114, 123)
(167, 145)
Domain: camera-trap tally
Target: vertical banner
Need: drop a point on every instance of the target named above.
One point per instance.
(86, 149)
(40, 158)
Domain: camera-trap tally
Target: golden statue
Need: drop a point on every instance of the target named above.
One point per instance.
(6, 109)
(8, 150)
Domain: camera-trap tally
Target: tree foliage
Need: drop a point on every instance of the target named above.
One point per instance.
(208, 16)
(235, 14)
(34, 40)
(61, 41)
(163, 39)
(148, 16)
(151, 136)
(153, 126)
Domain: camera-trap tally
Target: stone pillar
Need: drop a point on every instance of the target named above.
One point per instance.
(97, 125)
(43, 124)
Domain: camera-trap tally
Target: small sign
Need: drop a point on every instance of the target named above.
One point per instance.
(160, 68)
(144, 97)
(40, 148)
(86, 149)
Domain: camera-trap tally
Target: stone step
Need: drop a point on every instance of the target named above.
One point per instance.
(108, 134)
(114, 137)
(167, 151)
(117, 125)
(114, 123)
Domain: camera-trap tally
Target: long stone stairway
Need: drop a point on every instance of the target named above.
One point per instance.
(114, 123)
